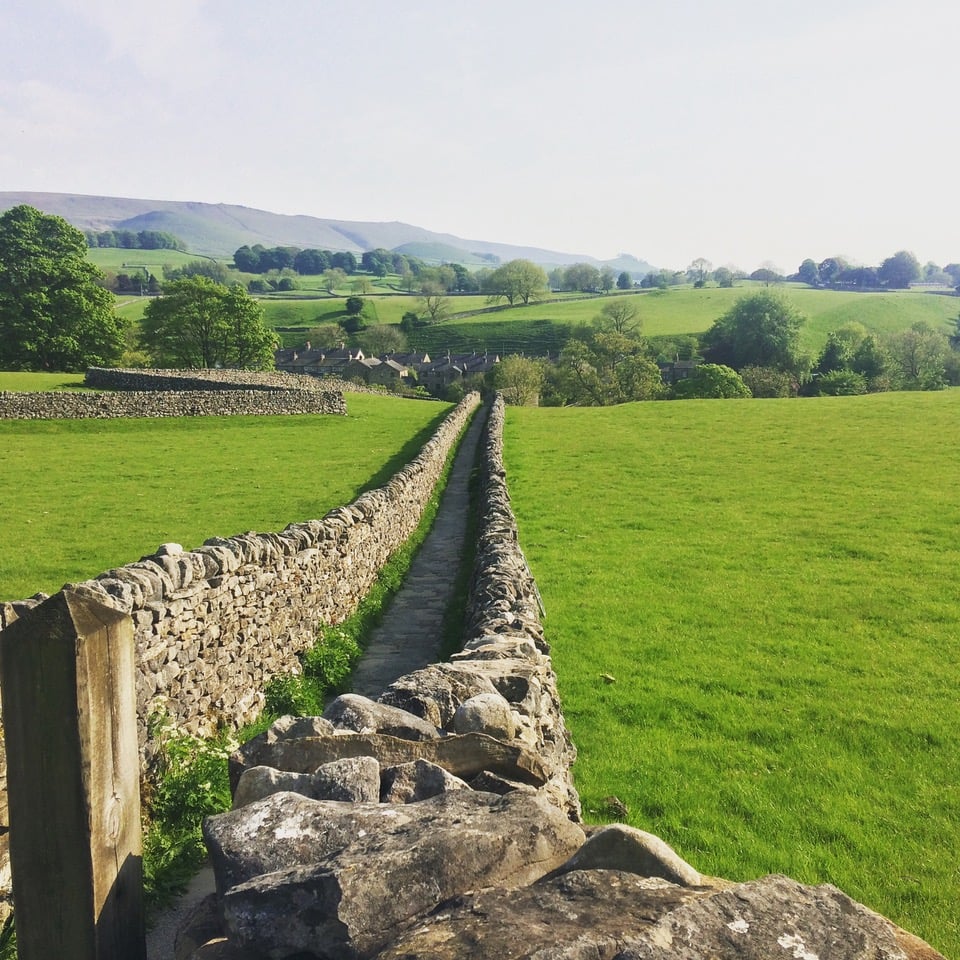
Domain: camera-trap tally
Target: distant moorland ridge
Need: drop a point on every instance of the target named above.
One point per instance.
(218, 229)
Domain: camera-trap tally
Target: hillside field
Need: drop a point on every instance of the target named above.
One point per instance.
(772, 586)
(82, 496)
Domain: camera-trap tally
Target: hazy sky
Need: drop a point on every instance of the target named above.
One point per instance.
(742, 131)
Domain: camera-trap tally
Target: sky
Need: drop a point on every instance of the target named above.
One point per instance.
(748, 132)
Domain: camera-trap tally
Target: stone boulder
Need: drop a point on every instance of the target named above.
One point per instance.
(362, 715)
(619, 847)
(580, 915)
(775, 917)
(336, 880)
(351, 780)
(487, 713)
(435, 692)
(412, 782)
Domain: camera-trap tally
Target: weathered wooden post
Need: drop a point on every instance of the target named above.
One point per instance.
(69, 713)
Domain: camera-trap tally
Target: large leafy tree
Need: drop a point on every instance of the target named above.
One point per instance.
(200, 323)
(516, 281)
(762, 330)
(900, 270)
(54, 315)
(519, 379)
(610, 369)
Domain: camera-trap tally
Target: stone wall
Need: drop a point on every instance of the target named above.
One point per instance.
(214, 624)
(440, 822)
(114, 378)
(174, 403)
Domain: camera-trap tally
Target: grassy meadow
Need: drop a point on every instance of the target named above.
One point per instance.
(81, 496)
(773, 587)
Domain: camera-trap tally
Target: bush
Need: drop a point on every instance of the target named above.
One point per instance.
(841, 383)
(768, 382)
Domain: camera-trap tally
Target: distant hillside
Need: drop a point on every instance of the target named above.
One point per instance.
(217, 229)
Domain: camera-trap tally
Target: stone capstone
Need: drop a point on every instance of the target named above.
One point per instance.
(337, 880)
(362, 715)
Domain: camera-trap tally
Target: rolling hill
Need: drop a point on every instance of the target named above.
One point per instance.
(217, 229)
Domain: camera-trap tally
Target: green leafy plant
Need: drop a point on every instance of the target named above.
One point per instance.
(188, 781)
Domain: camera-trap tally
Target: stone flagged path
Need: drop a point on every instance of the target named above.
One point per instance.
(409, 636)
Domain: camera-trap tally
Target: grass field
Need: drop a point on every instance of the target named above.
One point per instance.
(539, 329)
(34, 382)
(82, 496)
(773, 586)
(688, 311)
(120, 260)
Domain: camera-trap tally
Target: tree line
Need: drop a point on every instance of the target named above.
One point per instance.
(134, 240)
(752, 350)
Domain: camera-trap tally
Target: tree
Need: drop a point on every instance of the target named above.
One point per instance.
(841, 383)
(54, 314)
(519, 379)
(809, 273)
(382, 338)
(830, 269)
(624, 282)
(761, 329)
(583, 277)
(434, 301)
(353, 306)
(200, 323)
(619, 315)
(610, 369)
(606, 279)
(900, 270)
(699, 271)
(378, 262)
(919, 357)
(723, 276)
(516, 280)
(765, 382)
(711, 381)
(333, 278)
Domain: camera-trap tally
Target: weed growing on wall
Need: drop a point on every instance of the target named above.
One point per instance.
(188, 782)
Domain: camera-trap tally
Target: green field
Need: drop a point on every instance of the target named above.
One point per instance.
(34, 382)
(81, 496)
(120, 260)
(687, 311)
(773, 587)
(542, 328)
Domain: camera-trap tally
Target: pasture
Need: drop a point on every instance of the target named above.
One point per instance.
(82, 496)
(683, 310)
(772, 585)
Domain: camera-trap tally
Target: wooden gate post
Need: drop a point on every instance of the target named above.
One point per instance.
(73, 766)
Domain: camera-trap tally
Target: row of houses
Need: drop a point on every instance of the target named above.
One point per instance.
(389, 370)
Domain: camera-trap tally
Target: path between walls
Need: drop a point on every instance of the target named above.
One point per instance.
(408, 638)
(410, 634)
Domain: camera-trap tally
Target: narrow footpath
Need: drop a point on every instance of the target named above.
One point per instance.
(411, 632)
(408, 637)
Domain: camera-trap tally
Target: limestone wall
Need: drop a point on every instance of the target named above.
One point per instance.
(215, 623)
(172, 403)
(440, 821)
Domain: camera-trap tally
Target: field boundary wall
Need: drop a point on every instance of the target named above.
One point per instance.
(214, 624)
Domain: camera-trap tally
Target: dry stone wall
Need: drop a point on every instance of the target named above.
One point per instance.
(173, 403)
(440, 821)
(214, 624)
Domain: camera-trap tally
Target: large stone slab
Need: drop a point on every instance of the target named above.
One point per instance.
(337, 880)
(580, 915)
(776, 917)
